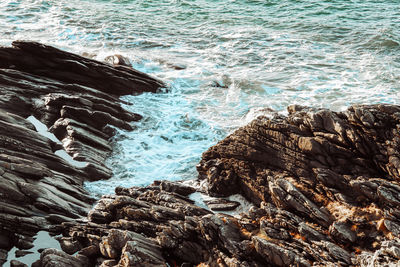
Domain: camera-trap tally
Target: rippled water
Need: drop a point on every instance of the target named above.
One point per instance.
(238, 58)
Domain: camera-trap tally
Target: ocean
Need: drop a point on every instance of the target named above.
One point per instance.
(225, 62)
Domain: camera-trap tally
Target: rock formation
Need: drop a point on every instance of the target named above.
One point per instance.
(325, 187)
(78, 100)
(327, 183)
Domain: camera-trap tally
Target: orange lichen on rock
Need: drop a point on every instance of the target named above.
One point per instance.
(298, 236)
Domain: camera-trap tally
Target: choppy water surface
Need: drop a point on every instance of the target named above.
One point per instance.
(238, 57)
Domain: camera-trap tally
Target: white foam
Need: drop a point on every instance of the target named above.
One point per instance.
(63, 154)
(42, 129)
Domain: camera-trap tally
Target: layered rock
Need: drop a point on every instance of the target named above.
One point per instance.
(327, 183)
(156, 226)
(78, 100)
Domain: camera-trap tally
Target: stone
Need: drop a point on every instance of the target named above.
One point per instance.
(15, 263)
(222, 204)
(178, 188)
(53, 257)
(277, 255)
(21, 253)
(69, 246)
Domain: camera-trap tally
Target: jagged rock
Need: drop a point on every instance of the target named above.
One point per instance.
(326, 184)
(277, 255)
(53, 257)
(309, 211)
(326, 181)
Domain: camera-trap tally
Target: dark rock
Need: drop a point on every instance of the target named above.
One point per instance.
(90, 251)
(277, 255)
(5, 240)
(222, 204)
(21, 253)
(15, 263)
(343, 232)
(178, 188)
(53, 257)
(3, 256)
(76, 98)
(69, 246)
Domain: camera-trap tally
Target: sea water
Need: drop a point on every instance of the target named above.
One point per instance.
(224, 62)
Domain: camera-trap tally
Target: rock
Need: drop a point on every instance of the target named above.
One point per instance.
(138, 253)
(109, 263)
(5, 240)
(222, 204)
(21, 253)
(69, 246)
(178, 188)
(277, 255)
(90, 251)
(343, 232)
(76, 98)
(326, 183)
(118, 60)
(3, 256)
(15, 263)
(53, 257)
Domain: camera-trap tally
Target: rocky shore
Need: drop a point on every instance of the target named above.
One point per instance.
(78, 100)
(324, 185)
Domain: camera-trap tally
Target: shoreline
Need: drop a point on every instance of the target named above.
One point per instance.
(323, 185)
(75, 99)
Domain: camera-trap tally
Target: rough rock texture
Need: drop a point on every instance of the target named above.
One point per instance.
(77, 98)
(327, 184)
(156, 226)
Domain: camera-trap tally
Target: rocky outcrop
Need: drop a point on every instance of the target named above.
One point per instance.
(326, 183)
(78, 100)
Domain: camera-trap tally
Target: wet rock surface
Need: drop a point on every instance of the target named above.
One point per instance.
(78, 100)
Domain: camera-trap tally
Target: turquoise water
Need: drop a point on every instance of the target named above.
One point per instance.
(238, 57)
